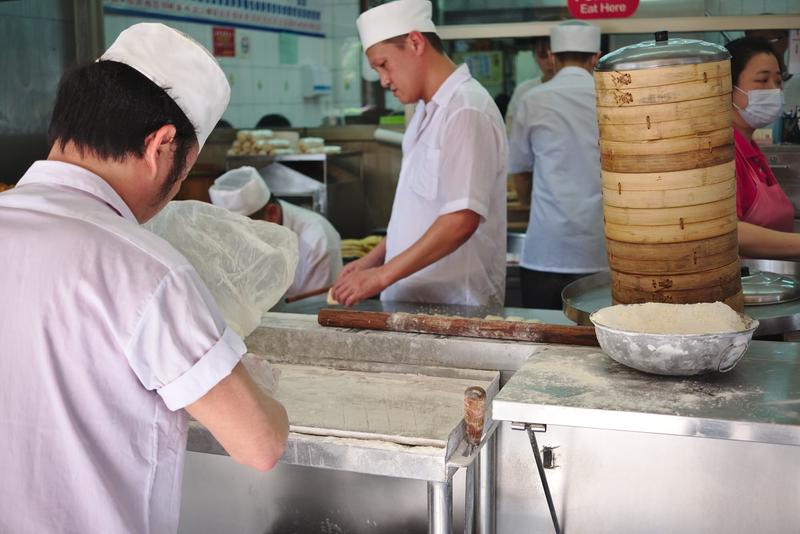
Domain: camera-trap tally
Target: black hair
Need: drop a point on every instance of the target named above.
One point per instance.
(541, 45)
(273, 120)
(222, 123)
(108, 108)
(743, 49)
(432, 38)
(574, 57)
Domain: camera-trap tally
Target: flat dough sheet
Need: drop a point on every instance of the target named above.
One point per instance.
(402, 408)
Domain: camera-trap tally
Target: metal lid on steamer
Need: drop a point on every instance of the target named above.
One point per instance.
(662, 52)
(761, 288)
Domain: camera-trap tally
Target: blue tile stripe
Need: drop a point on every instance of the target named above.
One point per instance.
(110, 10)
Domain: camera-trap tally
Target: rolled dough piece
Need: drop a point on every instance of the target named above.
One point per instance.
(331, 301)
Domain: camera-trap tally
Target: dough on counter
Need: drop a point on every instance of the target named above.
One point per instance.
(512, 318)
(661, 318)
(331, 301)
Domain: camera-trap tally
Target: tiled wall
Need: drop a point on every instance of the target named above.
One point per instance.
(260, 84)
(752, 7)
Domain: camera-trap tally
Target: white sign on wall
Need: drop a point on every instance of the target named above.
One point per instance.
(294, 16)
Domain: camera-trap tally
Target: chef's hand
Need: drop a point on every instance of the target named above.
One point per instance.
(361, 284)
(263, 374)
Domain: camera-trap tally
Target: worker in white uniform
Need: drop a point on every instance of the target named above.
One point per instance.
(245, 192)
(446, 240)
(109, 337)
(555, 135)
(541, 50)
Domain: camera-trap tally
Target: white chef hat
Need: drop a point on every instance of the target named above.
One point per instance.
(180, 66)
(241, 191)
(394, 18)
(574, 36)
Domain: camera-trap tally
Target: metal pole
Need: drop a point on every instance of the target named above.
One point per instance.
(487, 462)
(470, 495)
(440, 507)
(543, 477)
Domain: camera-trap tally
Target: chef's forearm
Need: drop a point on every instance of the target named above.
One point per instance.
(376, 256)
(759, 242)
(446, 234)
(523, 182)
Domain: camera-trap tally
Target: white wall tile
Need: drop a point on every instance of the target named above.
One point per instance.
(752, 8)
(112, 27)
(779, 6)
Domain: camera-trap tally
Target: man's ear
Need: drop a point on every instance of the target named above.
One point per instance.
(418, 42)
(272, 213)
(158, 147)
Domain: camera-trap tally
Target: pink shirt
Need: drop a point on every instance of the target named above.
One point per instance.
(106, 333)
(760, 199)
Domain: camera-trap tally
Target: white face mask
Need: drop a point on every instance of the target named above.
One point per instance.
(764, 106)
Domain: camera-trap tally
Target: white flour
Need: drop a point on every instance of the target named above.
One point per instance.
(659, 318)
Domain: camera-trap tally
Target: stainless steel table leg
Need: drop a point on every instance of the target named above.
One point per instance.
(485, 506)
(440, 507)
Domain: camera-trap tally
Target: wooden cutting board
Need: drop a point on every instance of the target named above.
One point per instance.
(459, 326)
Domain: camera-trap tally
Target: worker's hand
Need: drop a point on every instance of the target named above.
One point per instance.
(263, 374)
(358, 285)
(352, 267)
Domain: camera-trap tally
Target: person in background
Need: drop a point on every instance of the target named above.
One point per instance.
(245, 192)
(555, 135)
(541, 51)
(779, 41)
(766, 215)
(446, 240)
(273, 120)
(108, 332)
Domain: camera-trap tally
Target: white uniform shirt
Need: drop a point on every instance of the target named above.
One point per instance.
(454, 158)
(319, 247)
(555, 134)
(106, 333)
(516, 96)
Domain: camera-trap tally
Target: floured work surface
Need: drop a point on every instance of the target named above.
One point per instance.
(759, 400)
(408, 409)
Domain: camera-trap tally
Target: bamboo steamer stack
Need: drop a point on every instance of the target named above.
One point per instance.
(667, 157)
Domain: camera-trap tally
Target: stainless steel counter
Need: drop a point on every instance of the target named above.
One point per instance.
(759, 400)
(654, 479)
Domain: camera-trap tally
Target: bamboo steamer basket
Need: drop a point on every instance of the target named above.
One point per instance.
(675, 258)
(668, 171)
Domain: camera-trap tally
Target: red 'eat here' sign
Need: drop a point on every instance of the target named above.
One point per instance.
(602, 9)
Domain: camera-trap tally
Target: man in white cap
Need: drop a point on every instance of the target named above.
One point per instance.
(541, 55)
(446, 240)
(108, 332)
(245, 192)
(555, 136)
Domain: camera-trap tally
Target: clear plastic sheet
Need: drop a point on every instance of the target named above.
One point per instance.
(247, 265)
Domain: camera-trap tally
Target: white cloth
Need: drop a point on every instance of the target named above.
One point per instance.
(574, 36)
(320, 249)
(179, 65)
(519, 92)
(454, 158)
(241, 191)
(106, 333)
(555, 134)
(393, 19)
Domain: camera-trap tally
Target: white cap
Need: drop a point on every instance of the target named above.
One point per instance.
(574, 36)
(394, 18)
(180, 66)
(241, 191)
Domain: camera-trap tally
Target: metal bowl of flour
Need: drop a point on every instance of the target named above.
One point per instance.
(676, 354)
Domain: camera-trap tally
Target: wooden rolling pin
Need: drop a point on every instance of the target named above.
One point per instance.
(459, 326)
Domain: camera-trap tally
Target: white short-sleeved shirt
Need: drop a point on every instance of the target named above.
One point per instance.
(516, 96)
(555, 135)
(319, 247)
(454, 158)
(106, 333)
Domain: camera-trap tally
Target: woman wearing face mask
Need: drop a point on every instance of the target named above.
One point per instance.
(766, 215)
